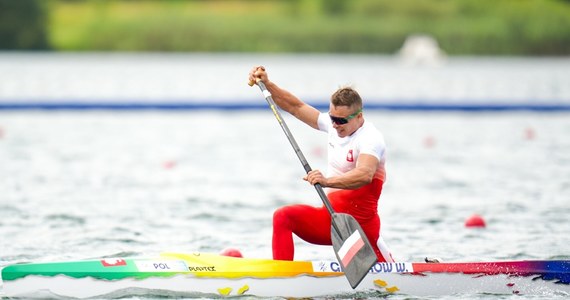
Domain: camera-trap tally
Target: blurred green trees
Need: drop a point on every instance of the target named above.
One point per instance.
(23, 25)
(467, 27)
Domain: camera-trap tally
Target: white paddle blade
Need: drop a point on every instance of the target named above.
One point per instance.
(353, 250)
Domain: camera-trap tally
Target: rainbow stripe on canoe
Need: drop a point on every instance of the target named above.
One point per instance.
(204, 274)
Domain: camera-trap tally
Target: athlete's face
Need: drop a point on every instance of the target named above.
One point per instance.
(352, 119)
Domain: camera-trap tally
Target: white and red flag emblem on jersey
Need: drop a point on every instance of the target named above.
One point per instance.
(350, 247)
(113, 262)
(349, 156)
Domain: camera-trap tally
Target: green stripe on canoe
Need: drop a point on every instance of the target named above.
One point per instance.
(80, 269)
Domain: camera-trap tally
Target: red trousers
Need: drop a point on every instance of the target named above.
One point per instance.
(313, 224)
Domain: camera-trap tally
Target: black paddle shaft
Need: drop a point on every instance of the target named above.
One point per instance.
(296, 147)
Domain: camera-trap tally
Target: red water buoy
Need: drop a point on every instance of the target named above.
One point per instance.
(529, 133)
(318, 152)
(475, 221)
(429, 142)
(169, 164)
(232, 252)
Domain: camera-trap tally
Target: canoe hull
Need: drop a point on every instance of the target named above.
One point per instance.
(209, 275)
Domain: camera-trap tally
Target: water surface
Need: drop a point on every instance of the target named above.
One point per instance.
(81, 185)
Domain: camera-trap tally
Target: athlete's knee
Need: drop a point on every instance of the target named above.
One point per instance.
(281, 217)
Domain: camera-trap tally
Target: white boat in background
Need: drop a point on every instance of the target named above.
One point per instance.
(212, 275)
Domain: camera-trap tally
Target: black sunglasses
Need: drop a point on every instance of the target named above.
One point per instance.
(342, 121)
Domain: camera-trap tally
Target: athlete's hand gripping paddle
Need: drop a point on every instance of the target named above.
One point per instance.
(352, 248)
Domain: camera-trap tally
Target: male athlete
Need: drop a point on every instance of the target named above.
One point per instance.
(355, 175)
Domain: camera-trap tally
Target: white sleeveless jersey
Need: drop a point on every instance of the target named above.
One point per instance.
(343, 152)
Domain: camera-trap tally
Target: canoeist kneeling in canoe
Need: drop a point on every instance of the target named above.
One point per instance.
(355, 175)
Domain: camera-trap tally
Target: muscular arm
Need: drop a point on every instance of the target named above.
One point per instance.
(293, 105)
(361, 175)
(286, 100)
